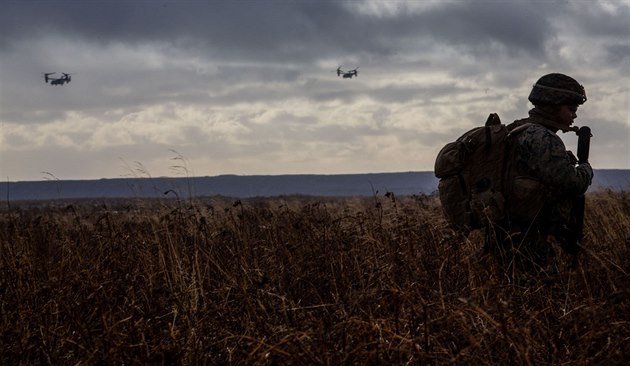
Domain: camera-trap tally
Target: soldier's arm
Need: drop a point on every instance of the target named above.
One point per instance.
(553, 166)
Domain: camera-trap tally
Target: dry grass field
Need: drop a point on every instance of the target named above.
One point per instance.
(298, 280)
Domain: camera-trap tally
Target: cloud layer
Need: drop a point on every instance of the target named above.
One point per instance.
(249, 87)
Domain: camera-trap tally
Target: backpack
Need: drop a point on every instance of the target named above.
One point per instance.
(473, 173)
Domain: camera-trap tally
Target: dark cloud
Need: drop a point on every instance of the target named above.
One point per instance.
(602, 20)
(227, 29)
(478, 26)
(273, 30)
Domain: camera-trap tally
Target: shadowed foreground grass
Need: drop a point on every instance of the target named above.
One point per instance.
(298, 280)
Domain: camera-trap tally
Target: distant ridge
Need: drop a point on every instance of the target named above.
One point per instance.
(236, 186)
(245, 186)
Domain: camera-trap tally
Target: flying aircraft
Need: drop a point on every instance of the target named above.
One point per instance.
(57, 81)
(347, 74)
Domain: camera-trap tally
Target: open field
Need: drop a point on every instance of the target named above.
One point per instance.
(298, 280)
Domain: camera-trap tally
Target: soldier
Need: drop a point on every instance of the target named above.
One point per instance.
(544, 178)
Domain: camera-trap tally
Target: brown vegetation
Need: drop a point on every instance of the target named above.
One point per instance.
(298, 280)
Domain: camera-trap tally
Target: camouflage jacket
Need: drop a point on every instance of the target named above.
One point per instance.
(544, 173)
(541, 154)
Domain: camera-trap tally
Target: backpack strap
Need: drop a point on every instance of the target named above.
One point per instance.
(493, 120)
(508, 163)
(515, 131)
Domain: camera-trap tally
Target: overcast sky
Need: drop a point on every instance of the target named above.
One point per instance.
(204, 88)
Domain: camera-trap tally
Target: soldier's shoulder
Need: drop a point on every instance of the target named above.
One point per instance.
(527, 124)
(535, 131)
(538, 137)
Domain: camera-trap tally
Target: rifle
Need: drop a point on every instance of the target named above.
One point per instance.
(576, 221)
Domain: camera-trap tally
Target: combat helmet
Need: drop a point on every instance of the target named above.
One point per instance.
(557, 89)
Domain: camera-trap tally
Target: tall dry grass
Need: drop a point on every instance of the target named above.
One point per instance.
(298, 280)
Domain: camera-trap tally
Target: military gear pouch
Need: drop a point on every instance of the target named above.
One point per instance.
(454, 200)
(450, 159)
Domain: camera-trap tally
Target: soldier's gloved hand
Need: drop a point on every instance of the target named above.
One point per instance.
(586, 168)
(572, 157)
